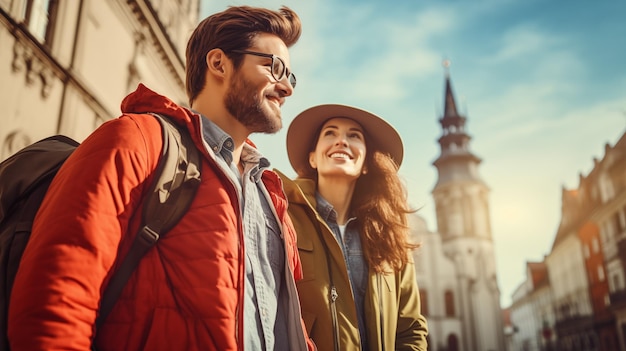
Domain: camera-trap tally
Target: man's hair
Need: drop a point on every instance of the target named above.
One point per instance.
(234, 29)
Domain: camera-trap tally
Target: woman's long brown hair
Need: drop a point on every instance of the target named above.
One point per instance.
(380, 205)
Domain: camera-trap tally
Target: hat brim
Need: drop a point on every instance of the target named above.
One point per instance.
(302, 131)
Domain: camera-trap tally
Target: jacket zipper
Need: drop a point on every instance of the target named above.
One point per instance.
(333, 311)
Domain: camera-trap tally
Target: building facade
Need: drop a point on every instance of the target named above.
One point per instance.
(570, 286)
(587, 295)
(66, 65)
(605, 190)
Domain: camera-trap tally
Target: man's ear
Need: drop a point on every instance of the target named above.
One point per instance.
(217, 62)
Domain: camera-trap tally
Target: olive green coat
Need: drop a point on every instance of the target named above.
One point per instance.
(392, 305)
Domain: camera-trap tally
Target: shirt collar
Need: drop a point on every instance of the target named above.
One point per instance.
(325, 209)
(219, 142)
(223, 145)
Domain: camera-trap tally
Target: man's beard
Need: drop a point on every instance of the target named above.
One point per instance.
(242, 101)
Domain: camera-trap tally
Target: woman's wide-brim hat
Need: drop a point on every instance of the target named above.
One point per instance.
(302, 131)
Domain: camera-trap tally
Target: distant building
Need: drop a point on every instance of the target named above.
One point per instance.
(587, 294)
(604, 193)
(65, 66)
(570, 286)
(456, 266)
(531, 312)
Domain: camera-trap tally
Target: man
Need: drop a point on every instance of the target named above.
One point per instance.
(224, 277)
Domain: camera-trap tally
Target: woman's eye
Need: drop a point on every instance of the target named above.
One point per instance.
(356, 136)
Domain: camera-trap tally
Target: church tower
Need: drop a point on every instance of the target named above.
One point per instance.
(463, 221)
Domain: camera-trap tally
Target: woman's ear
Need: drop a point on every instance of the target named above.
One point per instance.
(312, 162)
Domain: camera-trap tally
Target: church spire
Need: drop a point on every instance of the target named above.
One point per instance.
(450, 104)
(454, 141)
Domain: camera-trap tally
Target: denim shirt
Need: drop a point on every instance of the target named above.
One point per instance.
(353, 256)
(264, 310)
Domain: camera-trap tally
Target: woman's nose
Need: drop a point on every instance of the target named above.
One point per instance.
(342, 140)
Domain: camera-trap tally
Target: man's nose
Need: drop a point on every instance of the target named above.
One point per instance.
(284, 87)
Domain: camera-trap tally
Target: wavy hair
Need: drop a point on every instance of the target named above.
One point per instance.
(380, 205)
(235, 29)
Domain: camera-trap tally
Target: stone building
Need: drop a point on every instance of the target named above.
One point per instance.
(65, 66)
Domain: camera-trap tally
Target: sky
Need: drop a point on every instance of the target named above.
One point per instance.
(542, 84)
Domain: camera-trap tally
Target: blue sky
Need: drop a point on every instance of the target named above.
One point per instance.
(542, 83)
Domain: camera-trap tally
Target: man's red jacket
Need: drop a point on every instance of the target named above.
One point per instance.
(186, 293)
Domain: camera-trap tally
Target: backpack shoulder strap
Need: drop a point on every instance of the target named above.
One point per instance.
(165, 204)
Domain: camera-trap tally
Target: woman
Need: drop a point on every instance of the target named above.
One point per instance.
(349, 208)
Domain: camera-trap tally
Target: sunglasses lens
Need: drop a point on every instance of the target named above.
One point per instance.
(278, 68)
(292, 80)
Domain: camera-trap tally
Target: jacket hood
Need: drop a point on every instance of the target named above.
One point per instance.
(144, 100)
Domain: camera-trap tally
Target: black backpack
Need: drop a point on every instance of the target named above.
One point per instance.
(24, 180)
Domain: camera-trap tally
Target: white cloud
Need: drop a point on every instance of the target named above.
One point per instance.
(523, 41)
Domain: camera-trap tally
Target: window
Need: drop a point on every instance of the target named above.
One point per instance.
(39, 16)
(603, 236)
(606, 188)
(619, 227)
(608, 230)
(600, 273)
(594, 244)
(613, 281)
(449, 299)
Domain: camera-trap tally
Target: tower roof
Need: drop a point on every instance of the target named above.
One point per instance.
(450, 105)
(456, 161)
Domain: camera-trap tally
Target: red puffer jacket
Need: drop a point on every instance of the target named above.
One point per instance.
(186, 293)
